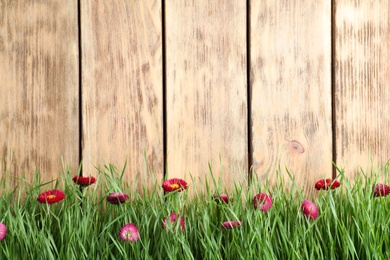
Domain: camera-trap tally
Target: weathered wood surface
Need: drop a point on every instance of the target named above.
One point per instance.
(362, 83)
(206, 90)
(122, 87)
(290, 78)
(39, 87)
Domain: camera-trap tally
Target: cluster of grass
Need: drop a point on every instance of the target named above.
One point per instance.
(352, 223)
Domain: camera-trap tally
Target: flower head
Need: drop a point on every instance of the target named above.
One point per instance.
(84, 181)
(51, 196)
(326, 184)
(3, 231)
(309, 209)
(129, 232)
(381, 190)
(222, 197)
(174, 184)
(264, 200)
(172, 219)
(117, 197)
(231, 224)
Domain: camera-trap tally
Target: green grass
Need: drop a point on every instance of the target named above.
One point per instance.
(352, 223)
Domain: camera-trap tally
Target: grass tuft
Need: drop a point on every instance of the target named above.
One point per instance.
(352, 224)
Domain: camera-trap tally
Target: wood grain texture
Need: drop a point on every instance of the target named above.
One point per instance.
(206, 90)
(290, 79)
(122, 87)
(39, 87)
(362, 83)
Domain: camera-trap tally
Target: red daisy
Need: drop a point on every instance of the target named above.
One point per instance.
(3, 231)
(174, 184)
(117, 197)
(51, 196)
(326, 184)
(231, 224)
(84, 181)
(172, 219)
(264, 200)
(129, 232)
(381, 190)
(222, 197)
(309, 209)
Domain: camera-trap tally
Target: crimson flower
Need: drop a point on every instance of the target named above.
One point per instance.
(129, 232)
(117, 197)
(84, 181)
(174, 184)
(264, 200)
(222, 197)
(326, 184)
(3, 231)
(231, 224)
(51, 196)
(381, 190)
(172, 219)
(309, 209)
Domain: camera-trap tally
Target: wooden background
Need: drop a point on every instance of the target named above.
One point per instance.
(237, 84)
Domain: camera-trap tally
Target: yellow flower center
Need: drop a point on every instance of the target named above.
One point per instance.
(175, 186)
(51, 197)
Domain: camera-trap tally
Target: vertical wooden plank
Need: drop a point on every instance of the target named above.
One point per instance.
(39, 86)
(122, 86)
(206, 90)
(362, 83)
(290, 46)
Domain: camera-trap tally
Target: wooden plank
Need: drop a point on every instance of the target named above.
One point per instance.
(39, 87)
(362, 83)
(122, 87)
(206, 90)
(290, 78)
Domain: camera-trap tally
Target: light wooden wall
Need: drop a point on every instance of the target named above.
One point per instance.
(237, 84)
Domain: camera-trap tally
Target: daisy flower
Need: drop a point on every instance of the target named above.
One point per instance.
(129, 232)
(174, 184)
(381, 190)
(263, 201)
(231, 224)
(222, 197)
(117, 197)
(3, 231)
(309, 209)
(326, 184)
(51, 196)
(84, 181)
(173, 217)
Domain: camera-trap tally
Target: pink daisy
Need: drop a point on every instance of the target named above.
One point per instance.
(309, 209)
(174, 184)
(51, 196)
(3, 231)
(381, 190)
(222, 197)
(129, 232)
(84, 181)
(231, 224)
(326, 184)
(117, 197)
(264, 200)
(172, 219)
